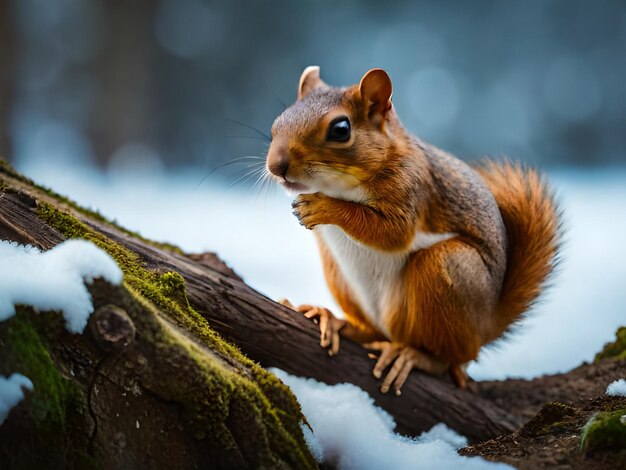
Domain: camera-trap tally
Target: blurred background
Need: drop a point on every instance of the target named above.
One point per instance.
(152, 82)
(127, 106)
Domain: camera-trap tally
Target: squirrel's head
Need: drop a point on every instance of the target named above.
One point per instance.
(332, 140)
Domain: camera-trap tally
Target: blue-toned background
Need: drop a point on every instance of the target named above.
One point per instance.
(126, 105)
(151, 80)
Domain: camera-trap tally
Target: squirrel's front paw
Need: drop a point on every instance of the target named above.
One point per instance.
(308, 208)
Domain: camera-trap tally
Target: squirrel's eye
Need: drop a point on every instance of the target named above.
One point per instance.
(339, 130)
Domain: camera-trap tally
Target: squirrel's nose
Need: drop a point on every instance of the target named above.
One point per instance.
(278, 161)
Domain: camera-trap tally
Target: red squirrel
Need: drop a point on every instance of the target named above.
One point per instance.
(428, 257)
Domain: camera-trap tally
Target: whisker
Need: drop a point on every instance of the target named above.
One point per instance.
(271, 189)
(249, 174)
(253, 166)
(231, 162)
(263, 184)
(261, 176)
(267, 186)
(280, 100)
(257, 175)
(251, 137)
(262, 134)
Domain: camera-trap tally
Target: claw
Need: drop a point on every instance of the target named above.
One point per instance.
(459, 375)
(404, 360)
(329, 326)
(286, 303)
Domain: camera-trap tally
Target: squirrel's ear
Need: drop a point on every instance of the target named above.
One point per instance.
(375, 89)
(309, 81)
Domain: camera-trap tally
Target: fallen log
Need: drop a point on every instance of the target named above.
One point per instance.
(143, 385)
(265, 331)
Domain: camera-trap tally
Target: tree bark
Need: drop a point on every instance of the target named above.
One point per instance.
(8, 45)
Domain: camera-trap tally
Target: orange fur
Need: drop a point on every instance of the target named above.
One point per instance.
(361, 222)
(434, 314)
(532, 223)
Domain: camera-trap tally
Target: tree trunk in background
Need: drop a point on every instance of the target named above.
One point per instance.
(123, 109)
(7, 75)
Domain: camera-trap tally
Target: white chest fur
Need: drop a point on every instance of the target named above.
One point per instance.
(372, 275)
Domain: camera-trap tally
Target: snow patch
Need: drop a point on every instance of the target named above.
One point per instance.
(11, 392)
(617, 388)
(350, 432)
(53, 280)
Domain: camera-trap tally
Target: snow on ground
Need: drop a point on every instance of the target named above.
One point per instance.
(617, 388)
(53, 280)
(350, 432)
(11, 392)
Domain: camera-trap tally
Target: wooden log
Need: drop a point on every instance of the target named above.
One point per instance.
(267, 332)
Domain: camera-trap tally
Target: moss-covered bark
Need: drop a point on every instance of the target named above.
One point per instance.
(177, 396)
(51, 426)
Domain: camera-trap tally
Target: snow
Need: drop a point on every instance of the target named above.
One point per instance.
(617, 388)
(350, 432)
(11, 393)
(53, 280)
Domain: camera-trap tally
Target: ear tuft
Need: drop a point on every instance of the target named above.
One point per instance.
(309, 81)
(375, 89)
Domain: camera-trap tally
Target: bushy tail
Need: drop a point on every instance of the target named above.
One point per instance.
(532, 221)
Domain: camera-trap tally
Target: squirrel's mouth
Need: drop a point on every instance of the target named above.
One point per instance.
(293, 186)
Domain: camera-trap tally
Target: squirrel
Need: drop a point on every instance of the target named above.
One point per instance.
(428, 257)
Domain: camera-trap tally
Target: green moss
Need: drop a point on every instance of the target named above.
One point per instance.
(167, 290)
(173, 285)
(604, 431)
(615, 349)
(51, 426)
(52, 394)
(248, 383)
(225, 397)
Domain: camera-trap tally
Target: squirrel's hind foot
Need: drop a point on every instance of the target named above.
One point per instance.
(404, 359)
